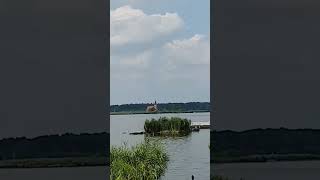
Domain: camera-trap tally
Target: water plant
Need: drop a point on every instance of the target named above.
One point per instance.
(145, 161)
(167, 126)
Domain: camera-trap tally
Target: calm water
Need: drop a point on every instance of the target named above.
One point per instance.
(78, 173)
(188, 155)
(299, 170)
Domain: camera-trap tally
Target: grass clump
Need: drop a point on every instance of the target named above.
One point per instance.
(167, 126)
(145, 161)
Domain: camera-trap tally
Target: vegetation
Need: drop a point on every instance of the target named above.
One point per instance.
(146, 161)
(55, 146)
(55, 162)
(162, 107)
(260, 145)
(167, 126)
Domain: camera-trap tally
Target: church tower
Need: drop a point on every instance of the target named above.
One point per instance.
(155, 105)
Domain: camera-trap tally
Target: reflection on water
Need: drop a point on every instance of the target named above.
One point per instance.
(189, 155)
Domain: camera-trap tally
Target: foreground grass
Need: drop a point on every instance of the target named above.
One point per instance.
(145, 161)
(167, 126)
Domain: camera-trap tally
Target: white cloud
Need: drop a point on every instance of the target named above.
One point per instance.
(185, 59)
(146, 61)
(130, 26)
(137, 60)
(195, 50)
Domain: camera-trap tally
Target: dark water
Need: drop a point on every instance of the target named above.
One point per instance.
(78, 173)
(188, 155)
(298, 170)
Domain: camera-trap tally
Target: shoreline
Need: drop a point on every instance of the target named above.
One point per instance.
(161, 112)
(54, 162)
(266, 158)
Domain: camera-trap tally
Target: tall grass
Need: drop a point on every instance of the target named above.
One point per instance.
(145, 161)
(167, 126)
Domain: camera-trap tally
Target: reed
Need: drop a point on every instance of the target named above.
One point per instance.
(144, 161)
(167, 126)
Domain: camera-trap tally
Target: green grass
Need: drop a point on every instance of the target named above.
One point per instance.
(167, 126)
(145, 161)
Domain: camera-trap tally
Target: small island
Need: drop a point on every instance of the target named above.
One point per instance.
(164, 126)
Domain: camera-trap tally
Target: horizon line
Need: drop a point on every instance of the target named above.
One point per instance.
(161, 103)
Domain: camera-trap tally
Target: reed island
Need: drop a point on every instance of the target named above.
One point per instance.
(164, 126)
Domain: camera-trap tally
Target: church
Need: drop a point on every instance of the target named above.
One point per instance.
(153, 108)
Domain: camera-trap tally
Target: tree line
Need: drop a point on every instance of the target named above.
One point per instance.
(163, 107)
(55, 146)
(265, 141)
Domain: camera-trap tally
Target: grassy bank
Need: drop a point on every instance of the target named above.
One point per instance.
(167, 126)
(143, 161)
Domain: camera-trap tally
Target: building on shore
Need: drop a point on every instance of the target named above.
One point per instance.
(153, 108)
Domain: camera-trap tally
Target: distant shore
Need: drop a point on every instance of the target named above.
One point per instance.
(160, 112)
(266, 158)
(54, 162)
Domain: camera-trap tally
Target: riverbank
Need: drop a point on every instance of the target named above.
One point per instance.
(55, 162)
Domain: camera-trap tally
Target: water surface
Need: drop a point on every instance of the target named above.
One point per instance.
(188, 155)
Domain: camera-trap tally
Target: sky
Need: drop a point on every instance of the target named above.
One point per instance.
(160, 50)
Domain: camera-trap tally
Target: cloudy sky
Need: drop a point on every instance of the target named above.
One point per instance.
(160, 50)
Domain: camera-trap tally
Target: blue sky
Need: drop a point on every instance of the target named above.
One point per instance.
(159, 51)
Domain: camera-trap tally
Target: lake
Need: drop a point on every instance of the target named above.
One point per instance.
(188, 155)
(294, 170)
